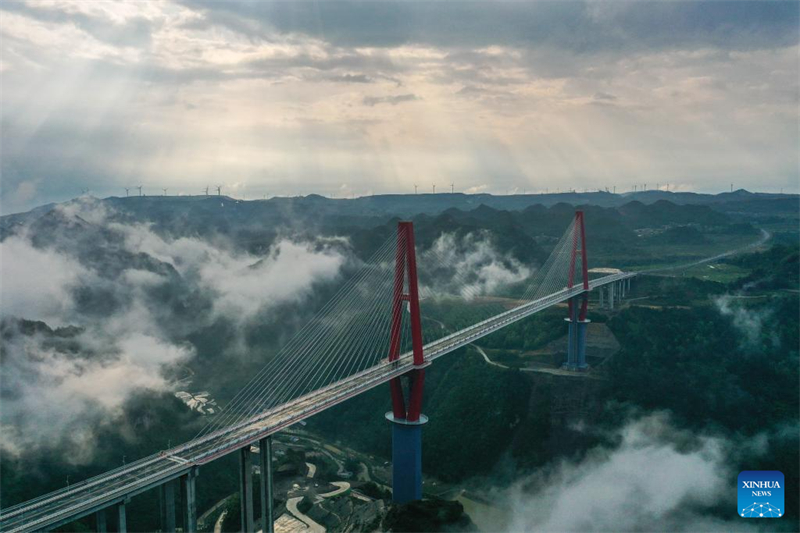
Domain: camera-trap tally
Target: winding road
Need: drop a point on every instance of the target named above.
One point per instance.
(291, 506)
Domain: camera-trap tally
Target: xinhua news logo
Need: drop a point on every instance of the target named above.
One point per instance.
(761, 494)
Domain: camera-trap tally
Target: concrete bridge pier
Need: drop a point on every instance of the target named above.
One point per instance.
(122, 522)
(406, 458)
(167, 493)
(265, 484)
(246, 490)
(189, 499)
(100, 521)
(611, 296)
(576, 339)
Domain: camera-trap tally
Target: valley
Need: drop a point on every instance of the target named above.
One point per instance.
(532, 414)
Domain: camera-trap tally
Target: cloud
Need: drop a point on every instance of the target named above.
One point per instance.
(353, 78)
(287, 273)
(656, 479)
(36, 283)
(578, 26)
(281, 94)
(244, 284)
(60, 387)
(750, 322)
(473, 266)
(393, 100)
(129, 299)
(472, 91)
(61, 390)
(604, 96)
(24, 192)
(477, 189)
(122, 27)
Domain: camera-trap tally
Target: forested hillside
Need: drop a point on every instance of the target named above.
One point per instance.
(718, 363)
(197, 294)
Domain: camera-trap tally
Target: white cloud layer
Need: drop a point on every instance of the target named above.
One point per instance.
(473, 266)
(657, 479)
(34, 282)
(189, 94)
(244, 284)
(62, 387)
(751, 322)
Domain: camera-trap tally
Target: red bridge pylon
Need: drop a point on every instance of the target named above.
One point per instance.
(407, 422)
(578, 323)
(579, 233)
(406, 291)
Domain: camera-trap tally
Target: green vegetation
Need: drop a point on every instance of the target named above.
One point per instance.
(372, 490)
(720, 272)
(682, 235)
(776, 268)
(232, 522)
(726, 365)
(304, 505)
(707, 370)
(675, 290)
(713, 376)
(459, 387)
(530, 334)
(327, 469)
(293, 463)
(353, 465)
(684, 355)
(232, 507)
(427, 516)
(475, 409)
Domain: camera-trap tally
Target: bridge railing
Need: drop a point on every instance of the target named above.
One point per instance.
(288, 413)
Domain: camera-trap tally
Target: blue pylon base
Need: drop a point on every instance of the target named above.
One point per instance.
(406, 459)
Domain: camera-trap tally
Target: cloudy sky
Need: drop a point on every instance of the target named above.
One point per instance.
(358, 98)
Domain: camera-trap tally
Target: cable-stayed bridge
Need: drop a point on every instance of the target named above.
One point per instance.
(369, 333)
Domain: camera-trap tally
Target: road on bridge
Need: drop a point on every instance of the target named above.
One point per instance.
(84, 498)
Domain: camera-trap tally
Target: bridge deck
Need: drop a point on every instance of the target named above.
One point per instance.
(66, 505)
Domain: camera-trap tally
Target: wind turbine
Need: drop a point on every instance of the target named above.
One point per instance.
(452, 187)
(219, 190)
(140, 190)
(127, 191)
(434, 188)
(165, 191)
(415, 188)
(206, 189)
